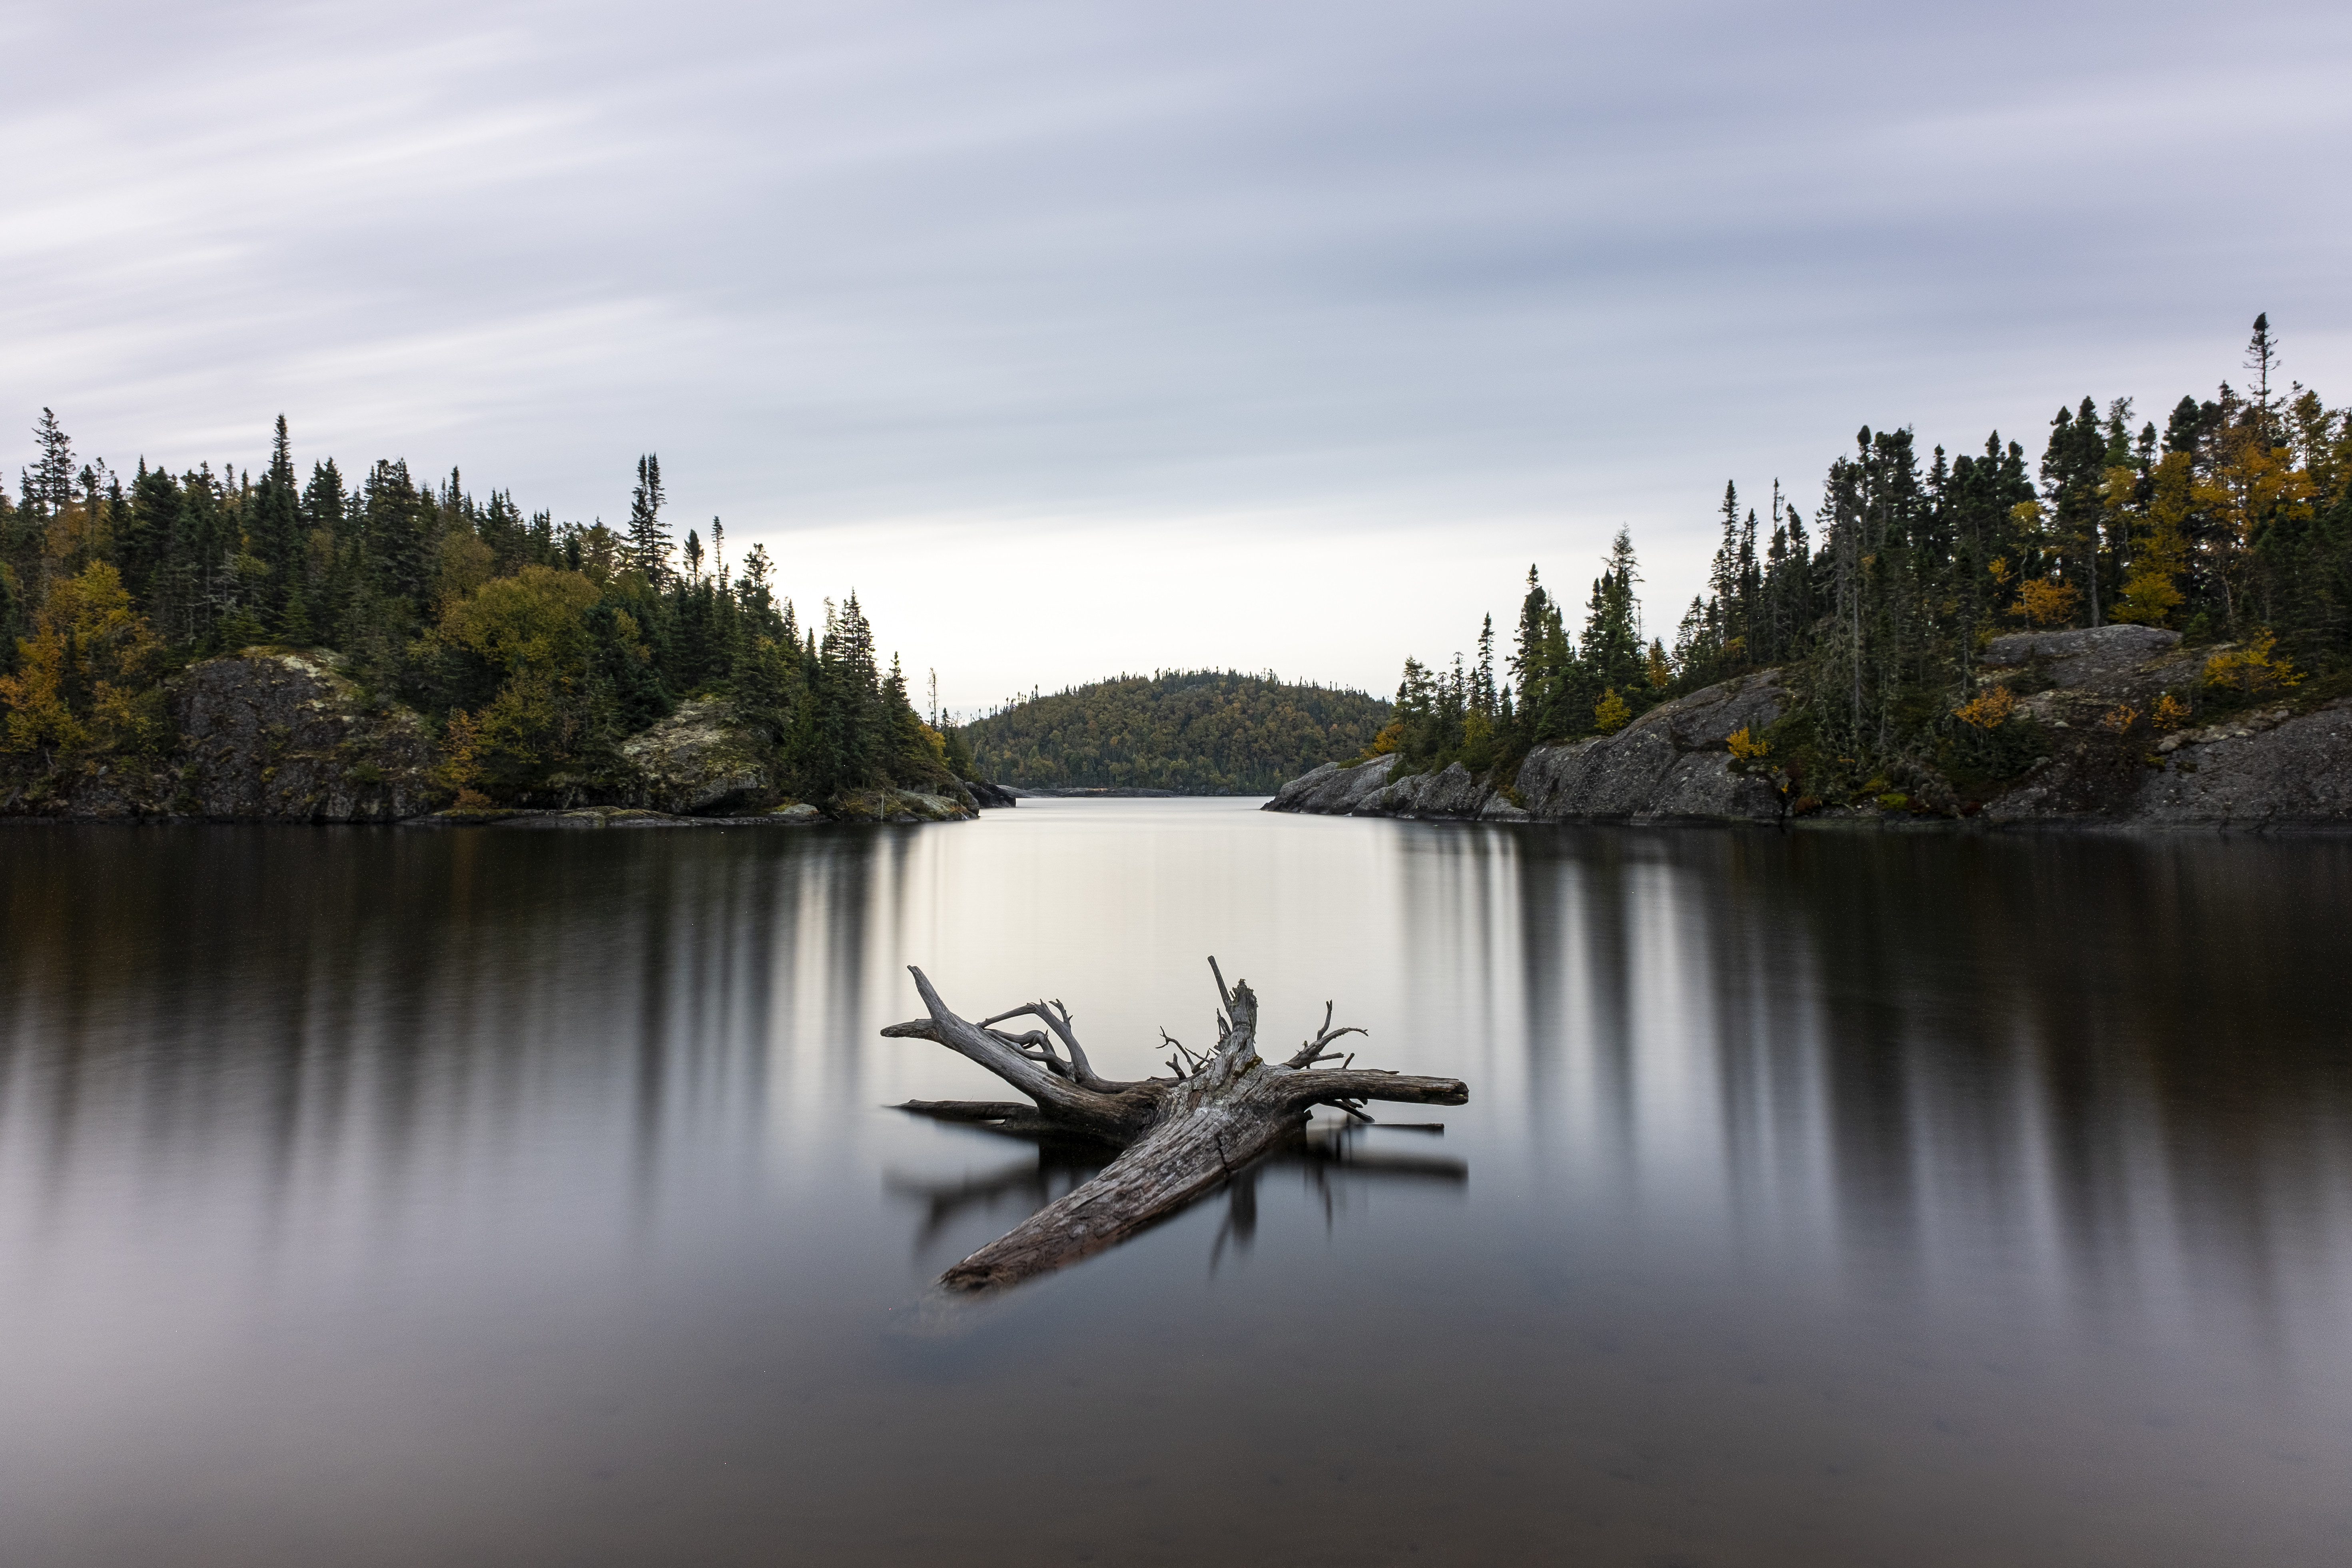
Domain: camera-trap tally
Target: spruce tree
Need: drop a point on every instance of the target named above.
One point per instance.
(2262, 358)
(2073, 467)
(1612, 647)
(397, 534)
(648, 546)
(141, 547)
(50, 484)
(1482, 691)
(275, 531)
(1531, 671)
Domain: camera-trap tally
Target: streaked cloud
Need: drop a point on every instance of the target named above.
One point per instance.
(1285, 331)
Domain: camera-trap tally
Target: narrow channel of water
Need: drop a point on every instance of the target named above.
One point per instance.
(393, 1196)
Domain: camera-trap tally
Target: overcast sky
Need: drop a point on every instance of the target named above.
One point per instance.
(1081, 338)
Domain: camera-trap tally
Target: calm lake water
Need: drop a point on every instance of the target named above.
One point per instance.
(399, 1197)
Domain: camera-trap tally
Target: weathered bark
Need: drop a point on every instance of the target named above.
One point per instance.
(1183, 1135)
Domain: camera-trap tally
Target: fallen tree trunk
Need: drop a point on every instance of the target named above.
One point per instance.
(1183, 1135)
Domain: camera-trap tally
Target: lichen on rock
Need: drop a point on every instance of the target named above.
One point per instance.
(700, 760)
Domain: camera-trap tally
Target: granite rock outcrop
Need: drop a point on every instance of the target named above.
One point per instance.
(259, 737)
(1672, 764)
(697, 762)
(2091, 693)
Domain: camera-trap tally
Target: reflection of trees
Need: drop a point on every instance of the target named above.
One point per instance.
(2129, 1044)
(2127, 1039)
(275, 1001)
(2071, 1027)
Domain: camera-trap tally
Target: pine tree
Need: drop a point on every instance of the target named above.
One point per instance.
(397, 534)
(50, 486)
(1611, 649)
(1530, 666)
(2262, 358)
(2073, 467)
(1482, 691)
(649, 547)
(275, 531)
(847, 748)
(141, 546)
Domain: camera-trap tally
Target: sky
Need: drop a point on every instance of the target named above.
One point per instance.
(1089, 337)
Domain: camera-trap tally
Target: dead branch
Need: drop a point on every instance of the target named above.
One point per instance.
(1312, 1051)
(1182, 1135)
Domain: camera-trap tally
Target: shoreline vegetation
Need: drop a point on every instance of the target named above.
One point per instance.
(1949, 638)
(2146, 626)
(222, 644)
(1192, 732)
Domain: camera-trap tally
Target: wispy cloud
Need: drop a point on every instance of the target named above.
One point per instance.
(1273, 325)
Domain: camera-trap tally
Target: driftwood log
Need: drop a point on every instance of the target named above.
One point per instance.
(1181, 1136)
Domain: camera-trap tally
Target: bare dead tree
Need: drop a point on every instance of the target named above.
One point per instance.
(1181, 1135)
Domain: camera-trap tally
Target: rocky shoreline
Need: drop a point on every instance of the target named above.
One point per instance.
(2287, 766)
(276, 736)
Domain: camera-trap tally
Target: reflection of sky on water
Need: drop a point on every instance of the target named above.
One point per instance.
(346, 1114)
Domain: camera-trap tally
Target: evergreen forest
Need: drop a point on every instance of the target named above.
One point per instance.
(1201, 731)
(535, 646)
(2230, 521)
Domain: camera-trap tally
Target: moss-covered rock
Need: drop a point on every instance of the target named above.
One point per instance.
(258, 736)
(701, 760)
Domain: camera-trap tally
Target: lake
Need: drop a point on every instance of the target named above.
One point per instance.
(396, 1196)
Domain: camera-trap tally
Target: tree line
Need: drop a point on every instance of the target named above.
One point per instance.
(536, 646)
(2232, 525)
(1196, 731)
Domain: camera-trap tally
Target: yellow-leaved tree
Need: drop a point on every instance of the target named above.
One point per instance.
(1391, 736)
(2251, 669)
(2042, 603)
(2158, 537)
(1610, 714)
(534, 627)
(1989, 709)
(2258, 484)
(86, 678)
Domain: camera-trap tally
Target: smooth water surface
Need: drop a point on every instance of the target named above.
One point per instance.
(397, 1197)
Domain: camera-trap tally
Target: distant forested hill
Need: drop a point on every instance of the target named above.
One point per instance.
(1201, 731)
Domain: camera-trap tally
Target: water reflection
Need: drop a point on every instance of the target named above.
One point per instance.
(2111, 1053)
(276, 1106)
(1327, 1155)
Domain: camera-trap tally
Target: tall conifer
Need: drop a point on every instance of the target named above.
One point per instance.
(648, 545)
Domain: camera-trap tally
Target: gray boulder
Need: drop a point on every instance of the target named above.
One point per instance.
(2274, 769)
(1337, 790)
(1451, 793)
(2270, 768)
(1671, 763)
(697, 761)
(901, 806)
(2105, 656)
(284, 737)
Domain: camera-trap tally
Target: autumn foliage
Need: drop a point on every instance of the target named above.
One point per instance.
(2251, 669)
(1989, 709)
(83, 679)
